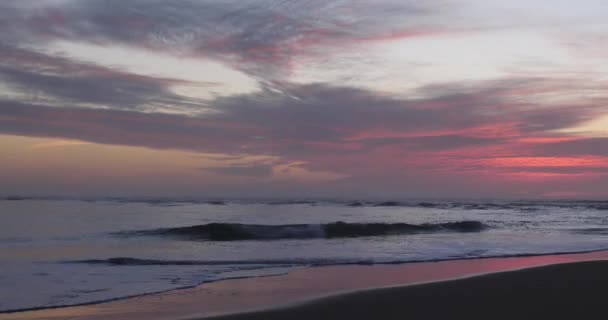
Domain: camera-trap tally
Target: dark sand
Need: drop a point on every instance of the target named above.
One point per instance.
(563, 291)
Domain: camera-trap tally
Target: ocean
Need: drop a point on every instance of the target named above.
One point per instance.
(58, 252)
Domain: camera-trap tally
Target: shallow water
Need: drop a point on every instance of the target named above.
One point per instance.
(62, 252)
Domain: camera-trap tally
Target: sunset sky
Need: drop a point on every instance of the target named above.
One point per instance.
(304, 98)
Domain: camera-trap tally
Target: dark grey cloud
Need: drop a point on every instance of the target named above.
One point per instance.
(42, 77)
(543, 118)
(329, 113)
(435, 151)
(579, 147)
(432, 143)
(102, 90)
(322, 112)
(310, 120)
(109, 126)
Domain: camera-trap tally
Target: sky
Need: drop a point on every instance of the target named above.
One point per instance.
(304, 98)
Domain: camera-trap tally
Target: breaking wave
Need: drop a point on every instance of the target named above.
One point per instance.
(236, 231)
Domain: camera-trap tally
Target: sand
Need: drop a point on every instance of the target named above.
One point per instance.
(340, 284)
(565, 291)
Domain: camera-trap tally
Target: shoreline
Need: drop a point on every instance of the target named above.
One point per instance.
(557, 291)
(168, 291)
(232, 297)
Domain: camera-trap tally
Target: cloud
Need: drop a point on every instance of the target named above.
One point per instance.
(163, 131)
(260, 37)
(62, 81)
(258, 171)
(344, 134)
(349, 138)
(578, 147)
(105, 90)
(430, 143)
(310, 119)
(59, 144)
(320, 121)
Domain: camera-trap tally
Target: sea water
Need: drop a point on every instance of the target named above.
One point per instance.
(58, 252)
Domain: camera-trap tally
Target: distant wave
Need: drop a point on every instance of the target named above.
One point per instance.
(593, 231)
(519, 205)
(16, 198)
(236, 231)
(125, 261)
(526, 206)
(449, 205)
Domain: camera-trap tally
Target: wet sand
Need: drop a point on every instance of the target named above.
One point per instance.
(320, 289)
(564, 291)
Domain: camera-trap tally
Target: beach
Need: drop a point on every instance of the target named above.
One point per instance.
(551, 286)
(564, 291)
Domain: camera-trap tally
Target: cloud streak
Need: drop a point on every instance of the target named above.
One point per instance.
(63, 81)
(260, 37)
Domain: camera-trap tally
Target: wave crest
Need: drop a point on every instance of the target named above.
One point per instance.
(237, 231)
